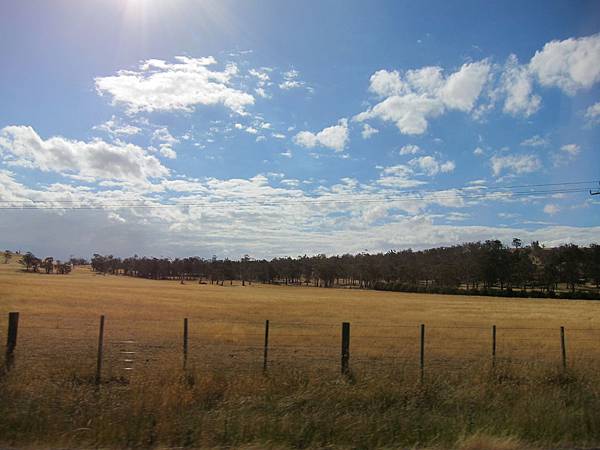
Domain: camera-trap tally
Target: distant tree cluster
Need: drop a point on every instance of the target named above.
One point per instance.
(48, 264)
(476, 267)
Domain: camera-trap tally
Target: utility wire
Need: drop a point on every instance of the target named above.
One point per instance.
(354, 196)
(474, 192)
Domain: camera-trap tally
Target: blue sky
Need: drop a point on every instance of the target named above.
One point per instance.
(275, 128)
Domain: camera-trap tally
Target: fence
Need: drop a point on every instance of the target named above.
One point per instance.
(118, 348)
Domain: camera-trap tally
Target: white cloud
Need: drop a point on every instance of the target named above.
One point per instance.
(278, 135)
(290, 84)
(535, 141)
(410, 150)
(478, 151)
(368, 131)
(163, 135)
(461, 89)
(515, 164)
(571, 65)
(571, 149)
(330, 220)
(566, 154)
(385, 83)
(115, 128)
(398, 176)
(411, 101)
(551, 209)
(409, 112)
(180, 86)
(167, 151)
(431, 166)
(517, 84)
(261, 92)
(262, 76)
(22, 146)
(251, 130)
(592, 114)
(291, 80)
(167, 140)
(334, 137)
(448, 166)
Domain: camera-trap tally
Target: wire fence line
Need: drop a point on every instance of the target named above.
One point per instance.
(118, 347)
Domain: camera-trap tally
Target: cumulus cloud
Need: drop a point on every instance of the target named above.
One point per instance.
(571, 65)
(115, 128)
(291, 80)
(430, 166)
(571, 149)
(462, 89)
(592, 114)
(565, 154)
(180, 86)
(478, 151)
(163, 134)
(166, 141)
(535, 141)
(93, 160)
(515, 164)
(412, 99)
(551, 209)
(398, 176)
(410, 150)
(332, 219)
(368, 131)
(517, 84)
(334, 137)
(263, 80)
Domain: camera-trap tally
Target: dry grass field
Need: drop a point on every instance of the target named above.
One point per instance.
(224, 399)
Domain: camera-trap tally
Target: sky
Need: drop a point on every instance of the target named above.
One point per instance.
(274, 128)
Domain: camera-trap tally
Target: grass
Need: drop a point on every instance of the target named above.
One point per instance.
(225, 401)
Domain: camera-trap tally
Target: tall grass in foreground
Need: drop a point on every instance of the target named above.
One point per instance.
(513, 407)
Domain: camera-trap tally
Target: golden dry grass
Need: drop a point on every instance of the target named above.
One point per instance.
(304, 320)
(49, 399)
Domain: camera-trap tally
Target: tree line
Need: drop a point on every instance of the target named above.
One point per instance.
(50, 265)
(488, 267)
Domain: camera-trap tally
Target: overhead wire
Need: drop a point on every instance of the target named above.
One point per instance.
(466, 193)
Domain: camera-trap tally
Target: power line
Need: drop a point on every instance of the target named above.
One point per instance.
(464, 193)
(354, 196)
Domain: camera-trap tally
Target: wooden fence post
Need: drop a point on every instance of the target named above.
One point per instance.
(493, 346)
(422, 353)
(345, 348)
(11, 338)
(100, 351)
(185, 343)
(563, 348)
(266, 348)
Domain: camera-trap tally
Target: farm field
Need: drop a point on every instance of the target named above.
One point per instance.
(145, 397)
(459, 326)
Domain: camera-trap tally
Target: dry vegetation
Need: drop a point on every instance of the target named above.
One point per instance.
(224, 400)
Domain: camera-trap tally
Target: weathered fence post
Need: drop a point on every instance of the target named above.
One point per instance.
(11, 338)
(563, 348)
(100, 351)
(185, 343)
(266, 348)
(345, 348)
(493, 346)
(422, 353)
